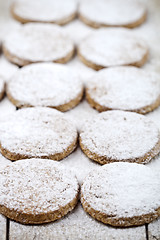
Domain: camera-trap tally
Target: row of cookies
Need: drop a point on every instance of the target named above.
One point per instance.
(36, 191)
(58, 86)
(40, 42)
(109, 137)
(94, 13)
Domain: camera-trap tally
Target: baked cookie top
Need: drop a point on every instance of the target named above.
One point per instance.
(124, 88)
(120, 136)
(120, 192)
(37, 42)
(44, 84)
(112, 12)
(52, 11)
(113, 47)
(36, 186)
(37, 132)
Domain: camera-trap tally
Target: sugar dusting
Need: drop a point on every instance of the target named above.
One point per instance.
(36, 186)
(41, 42)
(112, 47)
(45, 10)
(142, 88)
(36, 132)
(120, 135)
(112, 12)
(112, 188)
(45, 84)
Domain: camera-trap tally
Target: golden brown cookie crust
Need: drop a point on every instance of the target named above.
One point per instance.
(119, 222)
(99, 67)
(28, 218)
(100, 108)
(98, 25)
(63, 108)
(23, 62)
(104, 159)
(27, 20)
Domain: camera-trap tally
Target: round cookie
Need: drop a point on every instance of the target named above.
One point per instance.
(37, 132)
(115, 13)
(122, 194)
(2, 88)
(47, 85)
(112, 47)
(47, 11)
(124, 88)
(38, 42)
(35, 191)
(115, 136)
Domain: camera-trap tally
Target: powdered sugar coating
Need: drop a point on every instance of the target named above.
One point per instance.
(38, 42)
(45, 10)
(44, 84)
(122, 190)
(124, 88)
(36, 186)
(112, 47)
(120, 136)
(36, 132)
(112, 12)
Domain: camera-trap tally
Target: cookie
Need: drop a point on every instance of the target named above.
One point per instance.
(35, 191)
(37, 132)
(38, 42)
(115, 13)
(114, 136)
(2, 88)
(47, 85)
(47, 11)
(124, 88)
(112, 47)
(122, 194)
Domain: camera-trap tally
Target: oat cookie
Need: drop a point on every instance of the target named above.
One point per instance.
(38, 42)
(112, 47)
(124, 88)
(35, 191)
(114, 136)
(37, 132)
(48, 11)
(122, 194)
(47, 85)
(115, 13)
